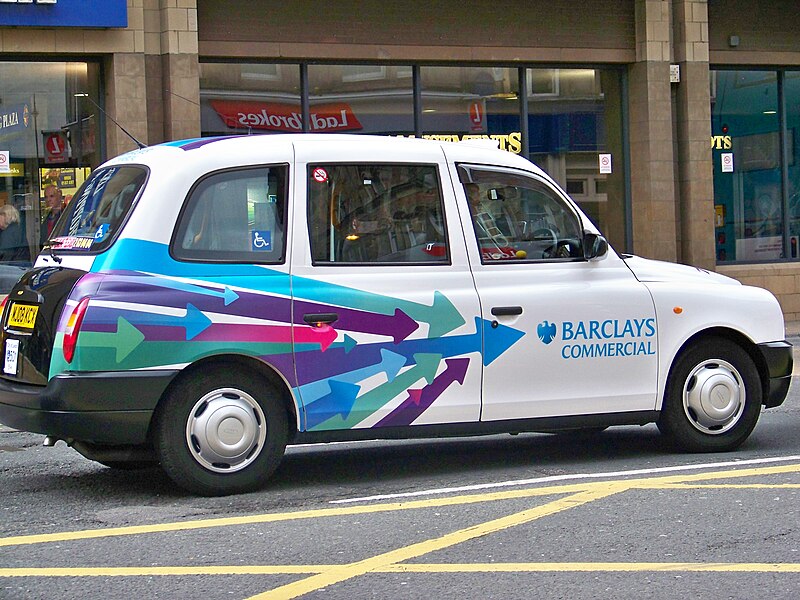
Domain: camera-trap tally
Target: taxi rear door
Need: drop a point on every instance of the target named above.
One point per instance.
(385, 312)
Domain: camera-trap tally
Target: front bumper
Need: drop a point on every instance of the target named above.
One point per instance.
(779, 361)
(103, 408)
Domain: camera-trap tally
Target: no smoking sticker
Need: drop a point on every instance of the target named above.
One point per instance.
(320, 175)
(727, 162)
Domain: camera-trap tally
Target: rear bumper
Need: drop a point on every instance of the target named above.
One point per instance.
(779, 361)
(103, 408)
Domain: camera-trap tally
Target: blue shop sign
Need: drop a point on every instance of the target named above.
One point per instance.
(14, 118)
(64, 13)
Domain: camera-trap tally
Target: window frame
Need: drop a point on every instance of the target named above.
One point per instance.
(446, 260)
(465, 169)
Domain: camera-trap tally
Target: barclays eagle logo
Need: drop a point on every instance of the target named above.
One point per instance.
(546, 331)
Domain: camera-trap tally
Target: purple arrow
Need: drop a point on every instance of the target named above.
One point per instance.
(399, 325)
(419, 401)
(275, 308)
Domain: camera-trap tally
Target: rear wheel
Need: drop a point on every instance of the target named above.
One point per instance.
(221, 431)
(713, 397)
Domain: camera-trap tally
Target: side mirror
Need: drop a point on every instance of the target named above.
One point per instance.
(594, 245)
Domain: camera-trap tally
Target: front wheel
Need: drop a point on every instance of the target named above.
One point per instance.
(713, 397)
(221, 431)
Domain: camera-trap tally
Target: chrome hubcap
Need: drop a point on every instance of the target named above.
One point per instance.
(714, 396)
(226, 430)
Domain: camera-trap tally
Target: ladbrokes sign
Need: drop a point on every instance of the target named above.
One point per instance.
(285, 117)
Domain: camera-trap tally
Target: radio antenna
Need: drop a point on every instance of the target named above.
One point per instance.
(113, 120)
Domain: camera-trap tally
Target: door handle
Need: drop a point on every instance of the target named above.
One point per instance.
(320, 319)
(506, 311)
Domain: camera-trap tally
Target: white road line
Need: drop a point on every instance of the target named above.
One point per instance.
(552, 478)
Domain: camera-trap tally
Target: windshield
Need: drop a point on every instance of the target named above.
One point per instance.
(98, 210)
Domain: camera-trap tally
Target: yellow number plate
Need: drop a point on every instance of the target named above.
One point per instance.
(22, 316)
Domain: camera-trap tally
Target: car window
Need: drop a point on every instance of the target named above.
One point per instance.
(98, 209)
(520, 218)
(376, 213)
(237, 216)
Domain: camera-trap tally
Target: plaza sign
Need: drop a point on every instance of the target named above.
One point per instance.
(63, 13)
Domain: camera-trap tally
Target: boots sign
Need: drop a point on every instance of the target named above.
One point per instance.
(285, 117)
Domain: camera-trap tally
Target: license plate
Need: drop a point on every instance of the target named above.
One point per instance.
(11, 356)
(22, 315)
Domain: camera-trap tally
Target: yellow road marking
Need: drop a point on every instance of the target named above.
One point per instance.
(381, 561)
(569, 567)
(640, 483)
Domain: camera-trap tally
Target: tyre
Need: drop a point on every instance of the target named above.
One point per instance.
(713, 397)
(221, 431)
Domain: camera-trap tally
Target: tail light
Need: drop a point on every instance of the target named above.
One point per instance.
(73, 328)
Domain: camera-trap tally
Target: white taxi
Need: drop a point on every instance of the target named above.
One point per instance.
(204, 303)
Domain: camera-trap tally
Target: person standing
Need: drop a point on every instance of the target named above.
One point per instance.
(54, 205)
(12, 239)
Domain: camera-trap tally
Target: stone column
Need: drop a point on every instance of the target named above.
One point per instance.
(173, 72)
(693, 126)
(652, 167)
(181, 68)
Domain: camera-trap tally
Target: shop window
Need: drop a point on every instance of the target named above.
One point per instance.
(360, 99)
(54, 139)
(748, 193)
(463, 102)
(363, 72)
(574, 115)
(366, 214)
(248, 98)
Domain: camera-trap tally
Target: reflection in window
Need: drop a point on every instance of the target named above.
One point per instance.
(246, 98)
(376, 214)
(360, 99)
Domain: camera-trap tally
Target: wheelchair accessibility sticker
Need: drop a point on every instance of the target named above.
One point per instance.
(261, 240)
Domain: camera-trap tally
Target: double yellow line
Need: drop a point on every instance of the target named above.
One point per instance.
(394, 561)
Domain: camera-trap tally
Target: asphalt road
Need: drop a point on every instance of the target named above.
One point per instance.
(615, 515)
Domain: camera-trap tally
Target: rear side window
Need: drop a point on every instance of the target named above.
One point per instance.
(376, 213)
(235, 216)
(98, 210)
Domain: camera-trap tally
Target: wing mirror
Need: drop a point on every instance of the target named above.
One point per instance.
(594, 245)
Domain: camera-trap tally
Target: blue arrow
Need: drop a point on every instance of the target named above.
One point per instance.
(491, 341)
(339, 402)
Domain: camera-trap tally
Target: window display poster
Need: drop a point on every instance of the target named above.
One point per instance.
(68, 180)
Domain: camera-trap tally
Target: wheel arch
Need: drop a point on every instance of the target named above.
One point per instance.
(737, 338)
(244, 362)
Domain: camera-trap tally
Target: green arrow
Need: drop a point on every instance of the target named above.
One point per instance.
(426, 367)
(124, 341)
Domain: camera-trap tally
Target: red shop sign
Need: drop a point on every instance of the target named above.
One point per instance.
(243, 114)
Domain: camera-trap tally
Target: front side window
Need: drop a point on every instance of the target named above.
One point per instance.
(235, 216)
(376, 213)
(98, 210)
(518, 218)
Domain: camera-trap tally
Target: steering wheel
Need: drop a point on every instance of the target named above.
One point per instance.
(561, 249)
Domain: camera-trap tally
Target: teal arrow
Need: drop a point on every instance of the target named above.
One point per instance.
(442, 316)
(126, 339)
(365, 405)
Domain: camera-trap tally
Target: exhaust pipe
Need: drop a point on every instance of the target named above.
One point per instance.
(50, 441)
